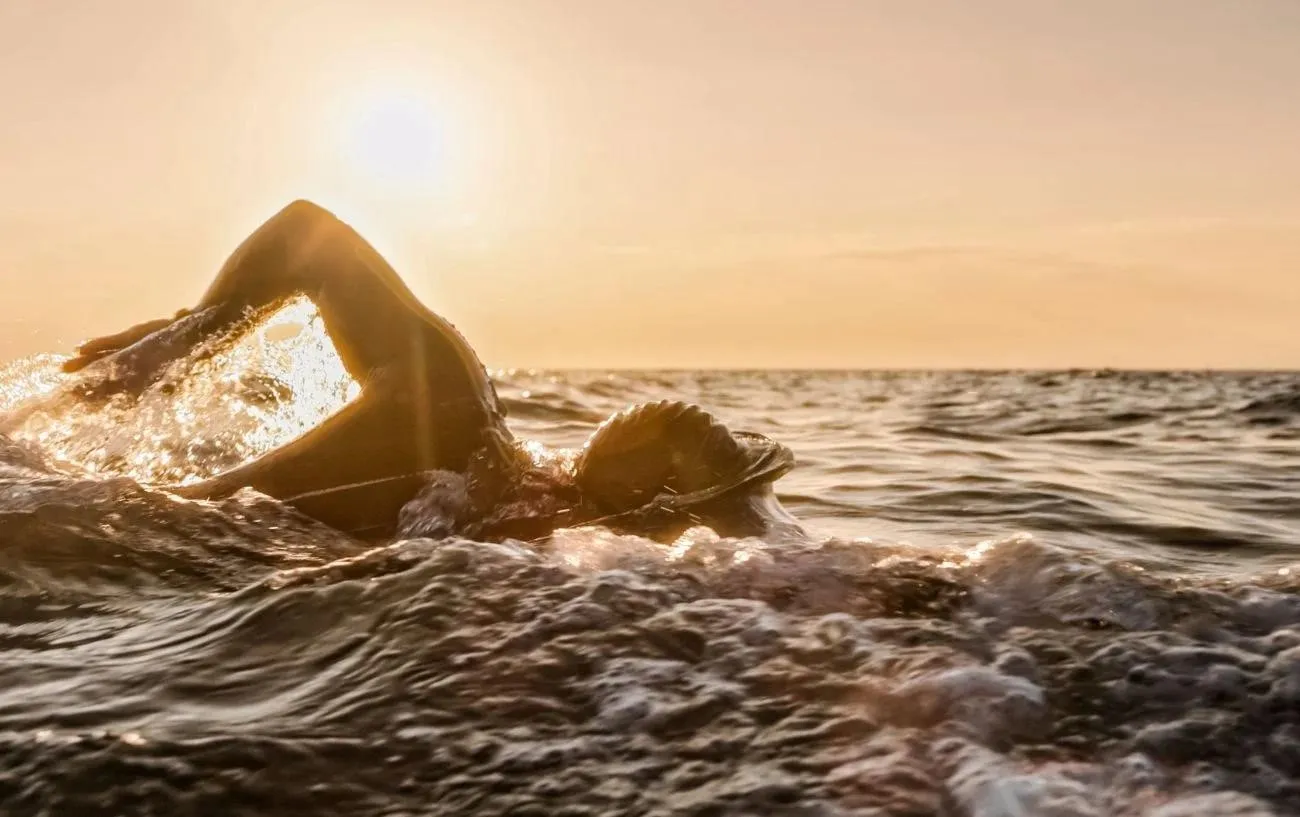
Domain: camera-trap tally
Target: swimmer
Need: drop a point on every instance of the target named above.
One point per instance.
(426, 403)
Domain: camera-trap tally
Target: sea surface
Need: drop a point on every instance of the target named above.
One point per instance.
(1021, 593)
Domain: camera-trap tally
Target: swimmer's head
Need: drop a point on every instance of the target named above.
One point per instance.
(661, 468)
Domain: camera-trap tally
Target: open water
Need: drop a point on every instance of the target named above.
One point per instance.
(1056, 593)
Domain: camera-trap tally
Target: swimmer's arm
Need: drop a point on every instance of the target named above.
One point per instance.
(97, 348)
(135, 367)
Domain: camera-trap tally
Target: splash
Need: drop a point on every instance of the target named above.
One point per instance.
(202, 417)
(28, 380)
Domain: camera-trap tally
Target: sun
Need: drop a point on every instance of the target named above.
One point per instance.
(398, 141)
(400, 155)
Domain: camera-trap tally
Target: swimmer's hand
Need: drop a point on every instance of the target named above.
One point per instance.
(152, 348)
(214, 488)
(99, 348)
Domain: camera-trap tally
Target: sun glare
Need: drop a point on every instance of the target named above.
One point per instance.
(398, 140)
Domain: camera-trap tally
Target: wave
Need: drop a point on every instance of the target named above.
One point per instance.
(845, 674)
(1100, 613)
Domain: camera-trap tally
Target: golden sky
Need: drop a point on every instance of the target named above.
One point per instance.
(681, 183)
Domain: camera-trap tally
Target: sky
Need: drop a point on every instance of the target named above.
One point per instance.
(681, 183)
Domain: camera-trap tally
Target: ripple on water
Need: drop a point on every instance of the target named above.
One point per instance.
(1081, 627)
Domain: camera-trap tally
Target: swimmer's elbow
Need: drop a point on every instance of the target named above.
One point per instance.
(304, 210)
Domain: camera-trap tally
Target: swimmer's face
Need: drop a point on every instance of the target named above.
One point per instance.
(754, 513)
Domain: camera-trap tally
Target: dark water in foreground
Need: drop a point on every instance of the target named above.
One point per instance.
(1080, 595)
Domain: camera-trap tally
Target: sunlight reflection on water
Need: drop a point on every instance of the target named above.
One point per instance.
(277, 382)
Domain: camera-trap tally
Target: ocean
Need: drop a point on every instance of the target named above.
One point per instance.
(1021, 593)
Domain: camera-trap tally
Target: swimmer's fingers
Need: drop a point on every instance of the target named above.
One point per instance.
(206, 489)
(87, 356)
(101, 347)
(123, 339)
(76, 364)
